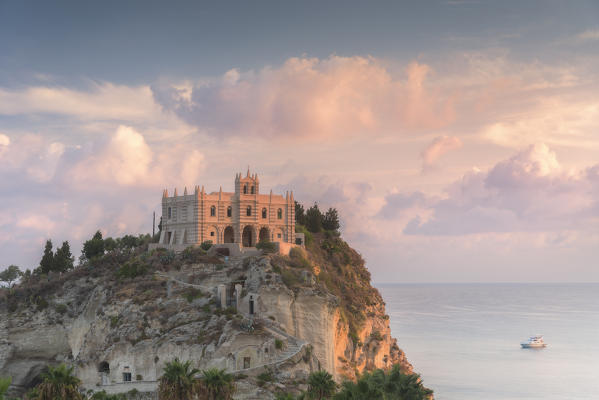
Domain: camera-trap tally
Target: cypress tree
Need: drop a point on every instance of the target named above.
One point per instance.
(47, 262)
(63, 259)
(314, 219)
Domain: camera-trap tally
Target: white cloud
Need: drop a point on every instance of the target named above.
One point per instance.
(126, 159)
(103, 101)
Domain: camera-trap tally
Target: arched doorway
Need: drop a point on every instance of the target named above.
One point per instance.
(229, 235)
(104, 370)
(104, 367)
(247, 239)
(264, 235)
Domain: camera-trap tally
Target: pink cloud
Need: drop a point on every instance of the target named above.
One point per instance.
(310, 97)
(528, 192)
(438, 147)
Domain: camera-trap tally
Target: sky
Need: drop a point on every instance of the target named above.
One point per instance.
(458, 139)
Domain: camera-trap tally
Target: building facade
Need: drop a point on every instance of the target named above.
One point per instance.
(244, 216)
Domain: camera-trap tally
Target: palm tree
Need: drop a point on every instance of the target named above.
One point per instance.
(378, 385)
(178, 381)
(58, 383)
(217, 385)
(321, 385)
(4, 384)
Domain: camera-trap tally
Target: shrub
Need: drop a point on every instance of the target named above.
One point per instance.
(167, 257)
(206, 245)
(267, 246)
(192, 294)
(307, 234)
(278, 344)
(131, 269)
(376, 335)
(289, 278)
(60, 308)
(138, 377)
(264, 377)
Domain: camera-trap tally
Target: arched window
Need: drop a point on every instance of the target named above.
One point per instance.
(264, 213)
(280, 213)
(170, 213)
(252, 189)
(245, 189)
(248, 211)
(213, 211)
(229, 210)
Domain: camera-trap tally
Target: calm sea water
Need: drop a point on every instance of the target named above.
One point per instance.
(464, 338)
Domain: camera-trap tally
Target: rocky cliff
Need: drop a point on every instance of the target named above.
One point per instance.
(267, 317)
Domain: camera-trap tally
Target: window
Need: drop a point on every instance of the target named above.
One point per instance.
(252, 189)
(184, 214)
(212, 233)
(229, 210)
(126, 376)
(170, 213)
(279, 213)
(175, 213)
(248, 211)
(212, 211)
(245, 189)
(278, 235)
(264, 213)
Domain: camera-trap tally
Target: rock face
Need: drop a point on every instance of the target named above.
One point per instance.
(120, 319)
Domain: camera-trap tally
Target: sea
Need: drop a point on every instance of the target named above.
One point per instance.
(464, 339)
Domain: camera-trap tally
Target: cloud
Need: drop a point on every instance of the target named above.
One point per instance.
(310, 97)
(126, 159)
(589, 35)
(438, 147)
(99, 101)
(528, 192)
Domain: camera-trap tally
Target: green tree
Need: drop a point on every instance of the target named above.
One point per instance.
(380, 385)
(216, 384)
(4, 385)
(47, 261)
(94, 247)
(314, 219)
(321, 385)
(58, 383)
(178, 381)
(10, 275)
(110, 244)
(129, 242)
(330, 221)
(300, 217)
(63, 259)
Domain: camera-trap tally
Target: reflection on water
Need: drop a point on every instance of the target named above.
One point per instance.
(464, 339)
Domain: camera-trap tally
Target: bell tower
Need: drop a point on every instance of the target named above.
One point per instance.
(248, 185)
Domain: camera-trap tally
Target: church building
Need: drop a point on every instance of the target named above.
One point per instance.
(244, 216)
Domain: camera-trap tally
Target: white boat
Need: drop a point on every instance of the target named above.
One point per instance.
(534, 342)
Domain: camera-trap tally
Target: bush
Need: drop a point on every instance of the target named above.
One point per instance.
(138, 377)
(60, 308)
(264, 377)
(376, 335)
(131, 269)
(309, 238)
(192, 254)
(206, 245)
(266, 246)
(278, 344)
(192, 294)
